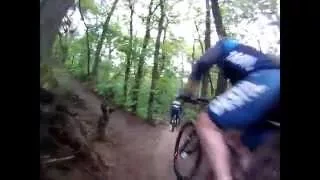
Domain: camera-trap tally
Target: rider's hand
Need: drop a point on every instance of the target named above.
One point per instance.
(191, 89)
(188, 93)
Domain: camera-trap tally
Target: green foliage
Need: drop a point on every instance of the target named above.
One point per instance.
(47, 79)
(104, 89)
(77, 70)
(235, 11)
(190, 114)
(89, 5)
(197, 52)
(167, 85)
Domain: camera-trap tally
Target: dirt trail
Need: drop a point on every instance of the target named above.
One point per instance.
(138, 151)
(141, 152)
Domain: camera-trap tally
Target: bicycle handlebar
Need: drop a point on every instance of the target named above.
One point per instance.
(187, 99)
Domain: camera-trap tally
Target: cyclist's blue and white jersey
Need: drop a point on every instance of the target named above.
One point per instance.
(176, 109)
(255, 92)
(235, 59)
(176, 104)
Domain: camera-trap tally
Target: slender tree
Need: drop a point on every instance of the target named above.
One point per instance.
(138, 76)
(163, 49)
(199, 36)
(221, 82)
(205, 78)
(155, 69)
(129, 52)
(87, 39)
(97, 58)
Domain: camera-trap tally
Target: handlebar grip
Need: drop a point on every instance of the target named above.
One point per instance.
(184, 97)
(188, 99)
(203, 100)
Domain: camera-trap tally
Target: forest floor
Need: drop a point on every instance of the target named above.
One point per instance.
(134, 150)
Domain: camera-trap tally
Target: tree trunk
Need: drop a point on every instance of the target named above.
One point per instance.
(97, 58)
(259, 45)
(51, 14)
(63, 47)
(129, 54)
(199, 37)
(110, 49)
(87, 40)
(134, 56)
(103, 121)
(88, 52)
(205, 78)
(211, 85)
(222, 82)
(182, 72)
(193, 50)
(163, 51)
(155, 70)
(138, 77)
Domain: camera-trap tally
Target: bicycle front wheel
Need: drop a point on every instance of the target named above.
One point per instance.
(173, 124)
(187, 152)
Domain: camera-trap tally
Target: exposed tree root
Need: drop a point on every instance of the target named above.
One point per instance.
(62, 136)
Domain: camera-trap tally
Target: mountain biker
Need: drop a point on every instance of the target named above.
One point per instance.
(255, 92)
(176, 110)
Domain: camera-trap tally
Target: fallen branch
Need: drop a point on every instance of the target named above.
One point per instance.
(54, 160)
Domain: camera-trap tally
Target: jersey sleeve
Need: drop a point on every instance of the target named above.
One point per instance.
(211, 57)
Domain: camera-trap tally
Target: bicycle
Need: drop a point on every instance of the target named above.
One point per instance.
(174, 123)
(191, 147)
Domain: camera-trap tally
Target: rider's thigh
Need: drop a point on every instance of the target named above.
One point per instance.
(247, 101)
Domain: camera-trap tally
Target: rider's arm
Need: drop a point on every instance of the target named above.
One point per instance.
(207, 60)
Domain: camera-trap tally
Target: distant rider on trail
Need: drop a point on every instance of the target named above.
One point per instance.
(255, 93)
(175, 111)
